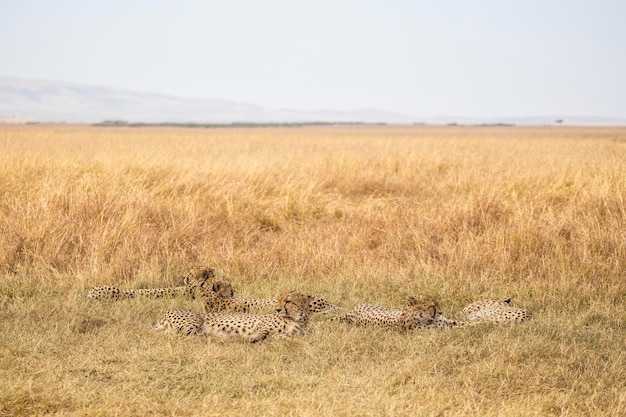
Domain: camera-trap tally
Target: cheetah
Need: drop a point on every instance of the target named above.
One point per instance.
(498, 311)
(181, 320)
(213, 302)
(195, 280)
(290, 319)
(420, 312)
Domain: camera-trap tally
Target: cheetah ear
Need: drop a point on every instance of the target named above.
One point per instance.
(186, 279)
(434, 311)
(411, 301)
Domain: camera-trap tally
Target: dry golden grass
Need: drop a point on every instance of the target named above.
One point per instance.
(369, 214)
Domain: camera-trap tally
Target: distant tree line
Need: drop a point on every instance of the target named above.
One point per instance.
(123, 123)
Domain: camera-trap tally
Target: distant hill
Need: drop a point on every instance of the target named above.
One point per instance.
(61, 101)
(41, 100)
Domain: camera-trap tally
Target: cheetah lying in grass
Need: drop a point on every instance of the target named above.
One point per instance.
(420, 312)
(290, 319)
(196, 280)
(214, 302)
(496, 311)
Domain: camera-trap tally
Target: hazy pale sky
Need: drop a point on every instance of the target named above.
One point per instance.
(424, 58)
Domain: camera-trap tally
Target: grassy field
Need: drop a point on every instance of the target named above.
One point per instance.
(351, 214)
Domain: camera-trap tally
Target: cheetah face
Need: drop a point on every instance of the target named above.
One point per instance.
(294, 306)
(196, 278)
(199, 274)
(217, 288)
(223, 288)
(421, 310)
(423, 305)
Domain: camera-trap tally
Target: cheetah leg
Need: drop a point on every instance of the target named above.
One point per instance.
(169, 328)
(164, 325)
(347, 317)
(259, 336)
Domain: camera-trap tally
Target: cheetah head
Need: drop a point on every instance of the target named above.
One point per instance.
(199, 274)
(486, 305)
(421, 309)
(293, 305)
(220, 287)
(196, 278)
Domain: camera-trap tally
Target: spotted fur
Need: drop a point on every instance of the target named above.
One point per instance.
(195, 280)
(181, 321)
(498, 311)
(420, 312)
(213, 302)
(289, 319)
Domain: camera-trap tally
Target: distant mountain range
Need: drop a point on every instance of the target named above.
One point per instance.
(38, 100)
(61, 101)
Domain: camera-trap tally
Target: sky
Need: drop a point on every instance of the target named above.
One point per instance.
(426, 58)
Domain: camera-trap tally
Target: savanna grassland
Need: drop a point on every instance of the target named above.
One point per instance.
(351, 214)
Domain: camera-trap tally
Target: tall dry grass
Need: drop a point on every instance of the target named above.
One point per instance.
(351, 214)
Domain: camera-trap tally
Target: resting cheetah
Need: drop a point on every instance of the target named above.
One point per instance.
(290, 319)
(196, 279)
(496, 311)
(181, 320)
(214, 302)
(420, 312)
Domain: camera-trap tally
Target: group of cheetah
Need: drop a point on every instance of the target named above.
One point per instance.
(257, 319)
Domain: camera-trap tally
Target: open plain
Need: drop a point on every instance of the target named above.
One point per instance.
(349, 213)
